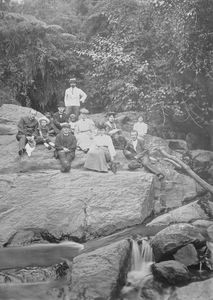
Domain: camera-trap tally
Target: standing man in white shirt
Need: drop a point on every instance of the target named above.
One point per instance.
(73, 98)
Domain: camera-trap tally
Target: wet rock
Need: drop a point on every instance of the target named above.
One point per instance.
(172, 238)
(80, 204)
(184, 214)
(171, 272)
(100, 274)
(202, 290)
(187, 255)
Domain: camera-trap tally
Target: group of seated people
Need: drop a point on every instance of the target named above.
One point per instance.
(98, 141)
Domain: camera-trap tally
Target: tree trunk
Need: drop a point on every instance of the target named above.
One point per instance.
(189, 171)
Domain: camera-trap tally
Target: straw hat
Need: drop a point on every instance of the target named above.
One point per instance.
(43, 119)
(65, 125)
(73, 79)
(84, 111)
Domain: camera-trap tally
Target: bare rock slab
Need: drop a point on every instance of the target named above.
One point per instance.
(96, 275)
(78, 204)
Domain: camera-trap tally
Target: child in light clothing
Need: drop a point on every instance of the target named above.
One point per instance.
(140, 127)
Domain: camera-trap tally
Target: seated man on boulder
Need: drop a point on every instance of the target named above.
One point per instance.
(65, 145)
(115, 133)
(27, 130)
(59, 118)
(43, 134)
(139, 156)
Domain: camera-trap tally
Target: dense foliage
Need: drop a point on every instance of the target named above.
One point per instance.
(154, 56)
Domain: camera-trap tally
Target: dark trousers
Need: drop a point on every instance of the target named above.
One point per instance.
(56, 129)
(73, 110)
(65, 159)
(141, 162)
(119, 141)
(40, 140)
(22, 140)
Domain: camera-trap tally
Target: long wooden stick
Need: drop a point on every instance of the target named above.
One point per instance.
(189, 171)
(39, 255)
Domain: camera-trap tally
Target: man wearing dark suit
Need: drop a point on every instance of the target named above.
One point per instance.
(59, 118)
(65, 146)
(139, 156)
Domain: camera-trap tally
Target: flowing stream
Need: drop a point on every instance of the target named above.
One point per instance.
(140, 275)
(141, 255)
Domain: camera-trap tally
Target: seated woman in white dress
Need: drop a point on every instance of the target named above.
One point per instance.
(140, 127)
(84, 131)
(102, 153)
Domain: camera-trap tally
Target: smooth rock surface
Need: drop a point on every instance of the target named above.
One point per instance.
(202, 290)
(96, 275)
(10, 113)
(187, 255)
(77, 203)
(184, 214)
(171, 272)
(172, 238)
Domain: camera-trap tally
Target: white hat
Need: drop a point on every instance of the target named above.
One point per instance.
(43, 119)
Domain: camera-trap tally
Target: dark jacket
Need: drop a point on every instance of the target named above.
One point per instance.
(59, 118)
(139, 148)
(27, 126)
(63, 141)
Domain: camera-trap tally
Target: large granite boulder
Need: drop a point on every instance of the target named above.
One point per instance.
(79, 204)
(10, 114)
(169, 240)
(185, 214)
(202, 290)
(101, 273)
(171, 272)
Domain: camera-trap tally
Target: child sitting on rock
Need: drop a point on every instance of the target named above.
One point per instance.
(43, 134)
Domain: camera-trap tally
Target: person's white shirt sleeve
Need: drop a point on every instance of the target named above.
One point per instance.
(66, 98)
(82, 95)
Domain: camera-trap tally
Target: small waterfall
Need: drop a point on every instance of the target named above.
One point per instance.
(140, 276)
(141, 254)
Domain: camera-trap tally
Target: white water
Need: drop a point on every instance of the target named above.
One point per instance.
(141, 274)
(141, 255)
